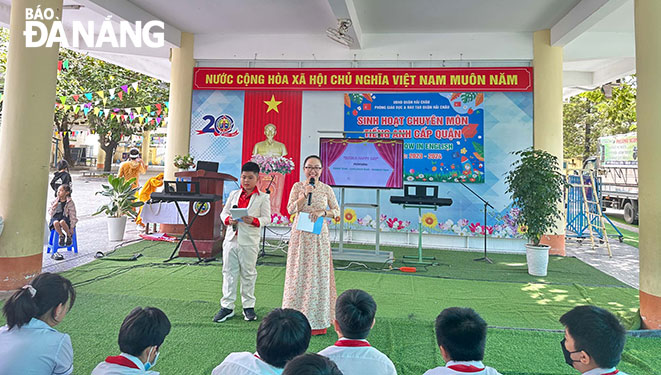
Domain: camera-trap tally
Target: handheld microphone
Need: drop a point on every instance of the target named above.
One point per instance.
(310, 195)
(234, 225)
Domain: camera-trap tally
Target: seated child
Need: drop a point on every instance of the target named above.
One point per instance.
(594, 340)
(29, 343)
(313, 364)
(63, 215)
(140, 338)
(353, 354)
(282, 335)
(461, 335)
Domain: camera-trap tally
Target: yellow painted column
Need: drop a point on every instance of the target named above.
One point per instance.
(100, 158)
(25, 137)
(181, 96)
(648, 55)
(547, 116)
(146, 139)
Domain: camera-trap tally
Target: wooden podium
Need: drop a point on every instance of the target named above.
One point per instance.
(206, 228)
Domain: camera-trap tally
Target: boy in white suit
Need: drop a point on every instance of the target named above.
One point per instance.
(241, 243)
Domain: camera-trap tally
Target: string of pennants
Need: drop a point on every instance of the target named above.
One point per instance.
(101, 95)
(152, 113)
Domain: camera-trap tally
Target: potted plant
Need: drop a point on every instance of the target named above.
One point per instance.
(122, 204)
(184, 162)
(536, 186)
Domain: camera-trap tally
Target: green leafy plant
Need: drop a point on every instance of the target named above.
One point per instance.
(536, 186)
(184, 161)
(122, 198)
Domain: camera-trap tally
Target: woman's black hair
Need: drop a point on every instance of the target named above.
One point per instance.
(62, 164)
(313, 157)
(50, 289)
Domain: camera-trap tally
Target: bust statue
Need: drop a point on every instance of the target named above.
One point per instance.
(269, 146)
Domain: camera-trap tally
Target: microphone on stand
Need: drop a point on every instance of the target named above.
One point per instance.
(234, 225)
(310, 195)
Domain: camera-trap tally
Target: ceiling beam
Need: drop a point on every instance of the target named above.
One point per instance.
(581, 18)
(127, 11)
(347, 9)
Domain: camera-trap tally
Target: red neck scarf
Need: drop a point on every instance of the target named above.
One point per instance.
(121, 361)
(351, 343)
(465, 368)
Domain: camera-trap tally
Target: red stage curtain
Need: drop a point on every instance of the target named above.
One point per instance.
(287, 120)
(390, 151)
(329, 154)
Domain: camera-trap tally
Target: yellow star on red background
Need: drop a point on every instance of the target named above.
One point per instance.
(273, 104)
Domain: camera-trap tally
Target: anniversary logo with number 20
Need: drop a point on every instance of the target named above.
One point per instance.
(222, 126)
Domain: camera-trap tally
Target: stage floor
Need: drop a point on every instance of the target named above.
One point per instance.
(521, 310)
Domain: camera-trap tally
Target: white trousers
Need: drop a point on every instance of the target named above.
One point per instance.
(239, 262)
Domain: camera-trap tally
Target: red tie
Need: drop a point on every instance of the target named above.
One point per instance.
(611, 373)
(351, 343)
(465, 368)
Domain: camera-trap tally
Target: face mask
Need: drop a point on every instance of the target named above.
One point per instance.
(567, 353)
(149, 365)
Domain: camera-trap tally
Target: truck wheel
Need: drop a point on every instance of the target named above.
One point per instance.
(630, 213)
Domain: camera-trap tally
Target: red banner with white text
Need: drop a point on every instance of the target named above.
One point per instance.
(513, 79)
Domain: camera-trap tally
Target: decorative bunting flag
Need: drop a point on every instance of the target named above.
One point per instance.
(167, 104)
(135, 86)
(100, 93)
(105, 100)
(96, 111)
(88, 96)
(76, 108)
(120, 95)
(66, 107)
(66, 64)
(63, 99)
(59, 65)
(138, 109)
(112, 93)
(148, 108)
(86, 110)
(75, 97)
(125, 88)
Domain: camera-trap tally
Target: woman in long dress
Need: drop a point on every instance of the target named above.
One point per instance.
(309, 281)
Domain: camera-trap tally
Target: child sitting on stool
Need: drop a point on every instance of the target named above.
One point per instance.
(63, 217)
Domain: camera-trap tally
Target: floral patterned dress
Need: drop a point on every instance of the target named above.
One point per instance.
(309, 280)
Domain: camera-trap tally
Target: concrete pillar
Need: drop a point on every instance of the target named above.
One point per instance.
(146, 139)
(547, 122)
(28, 104)
(181, 96)
(648, 55)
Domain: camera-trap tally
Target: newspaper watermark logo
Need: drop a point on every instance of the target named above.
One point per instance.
(117, 35)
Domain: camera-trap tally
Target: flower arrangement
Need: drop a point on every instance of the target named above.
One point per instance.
(184, 161)
(268, 164)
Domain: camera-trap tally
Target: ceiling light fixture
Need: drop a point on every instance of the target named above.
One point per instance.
(341, 33)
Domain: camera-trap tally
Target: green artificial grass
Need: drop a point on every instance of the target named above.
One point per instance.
(620, 220)
(407, 306)
(630, 238)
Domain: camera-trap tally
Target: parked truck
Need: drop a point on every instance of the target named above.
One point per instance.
(617, 170)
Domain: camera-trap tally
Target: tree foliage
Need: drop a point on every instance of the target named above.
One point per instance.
(591, 115)
(86, 74)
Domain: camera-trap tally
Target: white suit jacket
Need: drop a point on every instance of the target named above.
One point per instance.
(259, 207)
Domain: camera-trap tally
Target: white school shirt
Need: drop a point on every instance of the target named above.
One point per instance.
(244, 363)
(35, 348)
(358, 360)
(463, 368)
(604, 371)
(105, 368)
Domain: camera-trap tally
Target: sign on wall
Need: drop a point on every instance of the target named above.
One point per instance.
(443, 133)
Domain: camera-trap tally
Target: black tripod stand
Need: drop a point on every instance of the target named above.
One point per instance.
(486, 204)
